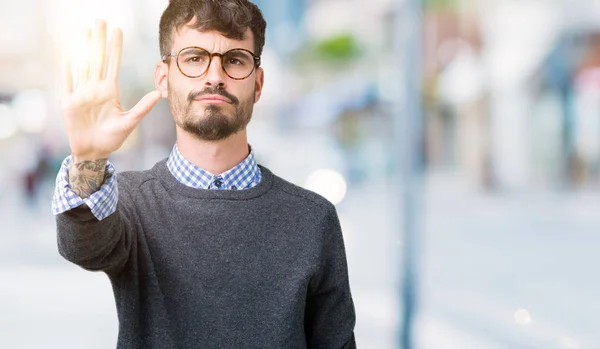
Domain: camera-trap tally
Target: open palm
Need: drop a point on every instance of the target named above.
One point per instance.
(95, 122)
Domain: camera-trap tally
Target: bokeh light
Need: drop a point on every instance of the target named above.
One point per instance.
(522, 317)
(328, 183)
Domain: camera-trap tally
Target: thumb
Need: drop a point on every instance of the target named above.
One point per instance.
(144, 106)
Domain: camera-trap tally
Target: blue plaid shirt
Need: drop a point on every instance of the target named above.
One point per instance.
(103, 203)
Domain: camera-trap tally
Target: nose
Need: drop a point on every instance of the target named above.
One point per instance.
(215, 76)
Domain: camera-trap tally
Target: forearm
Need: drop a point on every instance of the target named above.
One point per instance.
(92, 244)
(93, 232)
(87, 176)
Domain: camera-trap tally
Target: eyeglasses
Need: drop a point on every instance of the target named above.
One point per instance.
(194, 61)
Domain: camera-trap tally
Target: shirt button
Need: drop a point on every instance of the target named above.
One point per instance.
(233, 187)
(218, 183)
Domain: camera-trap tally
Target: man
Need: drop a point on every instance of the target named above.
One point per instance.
(207, 249)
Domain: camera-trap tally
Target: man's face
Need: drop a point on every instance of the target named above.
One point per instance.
(213, 106)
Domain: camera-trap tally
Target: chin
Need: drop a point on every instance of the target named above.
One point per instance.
(214, 107)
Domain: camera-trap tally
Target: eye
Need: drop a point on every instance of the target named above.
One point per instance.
(194, 59)
(235, 61)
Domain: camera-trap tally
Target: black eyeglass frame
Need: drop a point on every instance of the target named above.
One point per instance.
(211, 55)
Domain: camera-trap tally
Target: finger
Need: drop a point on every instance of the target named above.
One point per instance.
(67, 76)
(144, 106)
(114, 60)
(98, 53)
(83, 74)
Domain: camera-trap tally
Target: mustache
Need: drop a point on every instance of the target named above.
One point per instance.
(212, 91)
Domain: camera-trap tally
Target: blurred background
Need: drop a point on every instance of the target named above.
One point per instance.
(505, 188)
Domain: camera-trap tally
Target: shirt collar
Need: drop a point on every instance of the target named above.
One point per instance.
(244, 175)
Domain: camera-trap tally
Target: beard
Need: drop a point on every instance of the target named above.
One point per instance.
(215, 122)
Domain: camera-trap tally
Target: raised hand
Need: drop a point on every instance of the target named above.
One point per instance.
(95, 122)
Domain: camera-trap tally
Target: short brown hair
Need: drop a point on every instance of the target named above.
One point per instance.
(229, 17)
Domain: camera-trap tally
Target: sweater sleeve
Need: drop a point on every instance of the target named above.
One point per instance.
(329, 314)
(94, 244)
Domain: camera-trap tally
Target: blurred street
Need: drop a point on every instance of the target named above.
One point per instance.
(486, 257)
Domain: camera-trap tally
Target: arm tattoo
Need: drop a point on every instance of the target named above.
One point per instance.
(86, 177)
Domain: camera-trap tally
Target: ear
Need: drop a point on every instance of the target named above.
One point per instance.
(260, 81)
(161, 73)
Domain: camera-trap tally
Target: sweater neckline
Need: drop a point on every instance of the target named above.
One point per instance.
(161, 172)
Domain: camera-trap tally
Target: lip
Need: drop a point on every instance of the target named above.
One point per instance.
(213, 99)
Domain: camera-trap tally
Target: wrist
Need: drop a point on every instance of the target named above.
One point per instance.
(77, 158)
(87, 164)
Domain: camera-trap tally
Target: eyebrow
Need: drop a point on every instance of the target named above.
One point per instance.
(200, 47)
(192, 49)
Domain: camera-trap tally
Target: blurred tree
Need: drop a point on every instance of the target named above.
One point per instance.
(441, 4)
(334, 54)
(341, 47)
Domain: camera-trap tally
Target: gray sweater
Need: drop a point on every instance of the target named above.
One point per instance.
(190, 268)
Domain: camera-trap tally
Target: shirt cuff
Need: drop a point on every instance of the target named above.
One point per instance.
(102, 203)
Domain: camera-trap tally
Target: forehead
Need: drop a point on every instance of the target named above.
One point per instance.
(213, 40)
